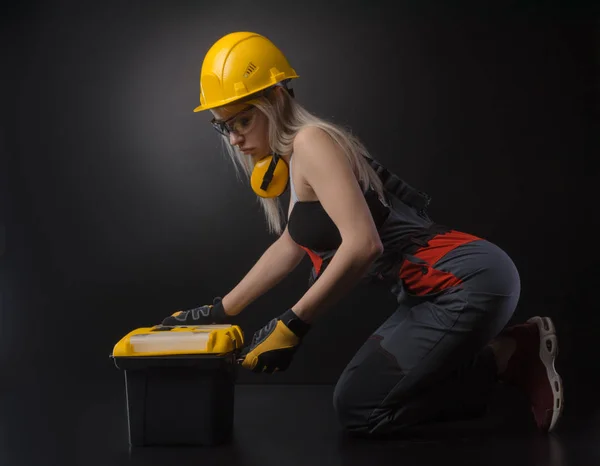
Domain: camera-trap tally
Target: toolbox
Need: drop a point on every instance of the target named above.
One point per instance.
(179, 383)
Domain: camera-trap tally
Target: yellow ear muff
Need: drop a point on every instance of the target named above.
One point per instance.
(270, 176)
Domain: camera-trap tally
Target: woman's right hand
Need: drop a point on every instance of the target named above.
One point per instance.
(203, 315)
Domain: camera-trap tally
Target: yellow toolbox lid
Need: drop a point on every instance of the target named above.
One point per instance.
(169, 341)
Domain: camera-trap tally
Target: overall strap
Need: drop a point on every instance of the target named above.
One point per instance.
(400, 188)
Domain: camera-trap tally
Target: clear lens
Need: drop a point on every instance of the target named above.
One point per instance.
(240, 123)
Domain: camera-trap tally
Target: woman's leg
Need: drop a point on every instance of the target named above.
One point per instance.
(430, 359)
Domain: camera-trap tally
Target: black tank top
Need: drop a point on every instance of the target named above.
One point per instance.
(310, 226)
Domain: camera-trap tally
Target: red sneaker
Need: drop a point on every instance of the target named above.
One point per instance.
(531, 369)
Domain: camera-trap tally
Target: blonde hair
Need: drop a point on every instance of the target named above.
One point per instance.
(286, 117)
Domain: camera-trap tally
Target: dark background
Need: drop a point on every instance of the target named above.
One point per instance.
(119, 206)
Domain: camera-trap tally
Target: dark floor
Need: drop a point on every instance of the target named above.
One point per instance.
(66, 420)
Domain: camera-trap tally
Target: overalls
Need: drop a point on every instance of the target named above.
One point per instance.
(429, 361)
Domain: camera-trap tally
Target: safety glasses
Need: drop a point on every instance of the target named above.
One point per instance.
(239, 123)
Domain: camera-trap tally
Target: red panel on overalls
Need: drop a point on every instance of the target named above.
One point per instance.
(316, 260)
(422, 279)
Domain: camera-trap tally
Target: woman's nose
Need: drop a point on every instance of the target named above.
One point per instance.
(234, 138)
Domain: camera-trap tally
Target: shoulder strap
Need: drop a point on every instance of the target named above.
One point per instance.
(399, 188)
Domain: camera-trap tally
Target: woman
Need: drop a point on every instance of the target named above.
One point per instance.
(445, 347)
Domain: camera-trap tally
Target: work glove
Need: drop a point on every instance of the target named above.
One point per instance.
(273, 346)
(204, 315)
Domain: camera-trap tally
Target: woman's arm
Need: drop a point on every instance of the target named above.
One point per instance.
(275, 264)
(324, 168)
(346, 269)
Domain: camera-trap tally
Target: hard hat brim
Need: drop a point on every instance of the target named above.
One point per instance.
(235, 99)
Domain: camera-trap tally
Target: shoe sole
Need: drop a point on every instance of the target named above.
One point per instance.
(548, 353)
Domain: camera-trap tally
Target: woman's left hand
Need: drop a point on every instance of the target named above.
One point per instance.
(273, 346)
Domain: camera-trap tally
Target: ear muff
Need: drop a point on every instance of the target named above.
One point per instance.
(270, 176)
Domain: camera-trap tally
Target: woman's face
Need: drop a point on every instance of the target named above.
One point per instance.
(250, 128)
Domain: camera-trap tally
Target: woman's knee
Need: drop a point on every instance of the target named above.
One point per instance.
(359, 419)
(350, 412)
(365, 385)
(356, 414)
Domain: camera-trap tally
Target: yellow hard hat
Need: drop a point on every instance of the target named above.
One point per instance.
(238, 65)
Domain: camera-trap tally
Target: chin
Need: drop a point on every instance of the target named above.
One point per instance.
(256, 157)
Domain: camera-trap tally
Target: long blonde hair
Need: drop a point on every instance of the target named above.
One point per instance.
(286, 117)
